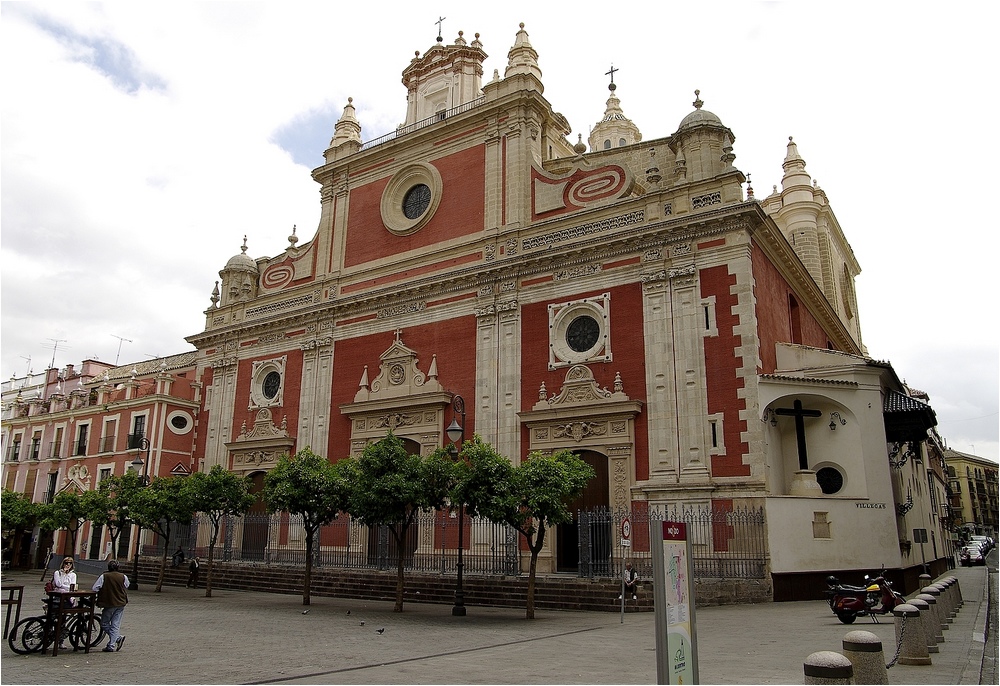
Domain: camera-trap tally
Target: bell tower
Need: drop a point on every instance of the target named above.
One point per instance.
(445, 77)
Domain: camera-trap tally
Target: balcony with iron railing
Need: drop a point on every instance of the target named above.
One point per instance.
(80, 448)
(36, 449)
(55, 449)
(423, 123)
(13, 453)
(108, 444)
(135, 441)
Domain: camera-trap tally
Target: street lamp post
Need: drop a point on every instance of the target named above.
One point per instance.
(136, 463)
(456, 432)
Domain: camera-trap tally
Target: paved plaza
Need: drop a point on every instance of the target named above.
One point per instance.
(180, 637)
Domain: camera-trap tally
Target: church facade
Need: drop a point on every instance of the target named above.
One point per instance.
(630, 300)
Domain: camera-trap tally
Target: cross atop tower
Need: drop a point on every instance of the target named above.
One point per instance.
(438, 22)
(611, 73)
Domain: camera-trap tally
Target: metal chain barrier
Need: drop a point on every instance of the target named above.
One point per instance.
(899, 643)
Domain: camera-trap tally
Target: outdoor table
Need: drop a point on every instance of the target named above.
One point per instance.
(61, 603)
(13, 603)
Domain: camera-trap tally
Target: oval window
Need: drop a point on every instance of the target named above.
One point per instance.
(272, 382)
(416, 201)
(179, 422)
(830, 480)
(582, 333)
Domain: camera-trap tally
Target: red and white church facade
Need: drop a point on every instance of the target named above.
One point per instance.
(631, 301)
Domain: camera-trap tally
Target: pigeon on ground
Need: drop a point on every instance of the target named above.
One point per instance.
(348, 612)
(380, 631)
(362, 622)
(305, 612)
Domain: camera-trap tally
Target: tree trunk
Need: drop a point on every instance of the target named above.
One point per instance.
(310, 532)
(163, 560)
(535, 548)
(400, 559)
(211, 556)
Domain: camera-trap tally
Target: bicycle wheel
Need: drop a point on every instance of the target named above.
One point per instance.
(78, 633)
(27, 636)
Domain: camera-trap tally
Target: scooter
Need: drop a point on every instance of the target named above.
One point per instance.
(875, 598)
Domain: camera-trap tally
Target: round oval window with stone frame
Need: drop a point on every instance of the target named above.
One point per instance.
(411, 198)
(267, 383)
(579, 332)
(830, 480)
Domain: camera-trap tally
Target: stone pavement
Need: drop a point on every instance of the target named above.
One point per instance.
(238, 637)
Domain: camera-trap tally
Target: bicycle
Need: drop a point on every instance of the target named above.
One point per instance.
(36, 634)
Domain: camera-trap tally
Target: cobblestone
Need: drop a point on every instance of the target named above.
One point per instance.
(179, 636)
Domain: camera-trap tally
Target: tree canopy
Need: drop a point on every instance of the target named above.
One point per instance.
(167, 500)
(307, 485)
(218, 493)
(389, 487)
(531, 497)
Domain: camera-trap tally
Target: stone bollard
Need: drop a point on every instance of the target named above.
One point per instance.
(910, 636)
(942, 592)
(827, 667)
(949, 591)
(864, 650)
(958, 591)
(934, 626)
(925, 624)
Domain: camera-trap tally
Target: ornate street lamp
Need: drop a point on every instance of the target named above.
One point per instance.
(456, 433)
(136, 464)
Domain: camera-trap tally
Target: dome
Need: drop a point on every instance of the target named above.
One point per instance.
(699, 116)
(242, 262)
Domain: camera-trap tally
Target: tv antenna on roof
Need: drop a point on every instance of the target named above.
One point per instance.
(120, 341)
(56, 342)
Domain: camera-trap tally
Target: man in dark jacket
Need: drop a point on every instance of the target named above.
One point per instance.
(112, 597)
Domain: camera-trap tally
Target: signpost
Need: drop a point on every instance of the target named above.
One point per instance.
(676, 637)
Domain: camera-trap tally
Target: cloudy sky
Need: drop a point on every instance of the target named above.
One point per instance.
(141, 141)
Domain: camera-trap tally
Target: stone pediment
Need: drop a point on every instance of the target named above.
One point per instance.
(399, 375)
(260, 447)
(580, 388)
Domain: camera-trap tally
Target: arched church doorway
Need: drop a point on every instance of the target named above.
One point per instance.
(256, 522)
(594, 496)
(386, 555)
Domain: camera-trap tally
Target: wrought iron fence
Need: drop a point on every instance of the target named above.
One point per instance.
(430, 544)
(726, 543)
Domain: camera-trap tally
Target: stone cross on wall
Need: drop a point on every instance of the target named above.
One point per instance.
(800, 427)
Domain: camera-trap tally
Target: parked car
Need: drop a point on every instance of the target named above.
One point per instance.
(985, 542)
(972, 554)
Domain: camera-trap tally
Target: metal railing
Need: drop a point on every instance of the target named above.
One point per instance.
(725, 543)
(439, 116)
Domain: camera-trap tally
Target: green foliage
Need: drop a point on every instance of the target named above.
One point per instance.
(164, 501)
(310, 486)
(306, 484)
(531, 497)
(66, 511)
(388, 487)
(220, 493)
(18, 512)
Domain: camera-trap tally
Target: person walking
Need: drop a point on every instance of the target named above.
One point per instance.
(112, 597)
(193, 570)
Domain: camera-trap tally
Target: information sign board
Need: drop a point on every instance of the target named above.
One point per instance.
(673, 588)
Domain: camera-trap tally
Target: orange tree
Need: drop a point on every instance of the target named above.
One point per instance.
(310, 486)
(389, 487)
(217, 494)
(532, 497)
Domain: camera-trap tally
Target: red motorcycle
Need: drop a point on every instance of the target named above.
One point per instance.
(875, 598)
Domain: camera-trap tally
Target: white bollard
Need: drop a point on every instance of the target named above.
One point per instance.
(925, 624)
